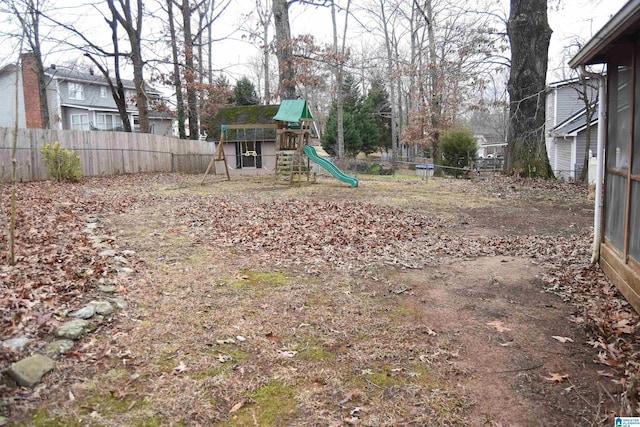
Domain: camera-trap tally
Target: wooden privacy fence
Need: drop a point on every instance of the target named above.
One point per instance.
(103, 153)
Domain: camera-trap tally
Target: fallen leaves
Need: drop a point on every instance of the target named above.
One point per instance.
(556, 377)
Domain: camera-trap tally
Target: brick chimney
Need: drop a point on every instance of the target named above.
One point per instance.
(30, 90)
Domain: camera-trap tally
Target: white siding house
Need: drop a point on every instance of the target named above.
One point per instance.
(76, 101)
(566, 127)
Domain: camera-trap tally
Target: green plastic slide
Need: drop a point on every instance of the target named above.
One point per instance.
(330, 167)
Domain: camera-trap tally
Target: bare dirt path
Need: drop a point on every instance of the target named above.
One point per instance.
(397, 303)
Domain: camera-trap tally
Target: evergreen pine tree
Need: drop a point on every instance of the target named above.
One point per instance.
(245, 92)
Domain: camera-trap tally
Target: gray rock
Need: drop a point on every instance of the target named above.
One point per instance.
(107, 289)
(128, 252)
(73, 329)
(102, 307)
(108, 252)
(120, 303)
(100, 246)
(85, 312)
(119, 260)
(125, 271)
(58, 347)
(28, 372)
(91, 225)
(16, 344)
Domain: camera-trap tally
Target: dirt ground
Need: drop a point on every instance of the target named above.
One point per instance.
(398, 303)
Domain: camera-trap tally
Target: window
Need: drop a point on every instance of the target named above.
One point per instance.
(76, 91)
(620, 83)
(103, 92)
(80, 121)
(108, 121)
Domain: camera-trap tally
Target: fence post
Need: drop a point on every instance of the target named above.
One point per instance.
(172, 163)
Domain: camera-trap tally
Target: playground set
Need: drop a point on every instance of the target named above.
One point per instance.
(292, 132)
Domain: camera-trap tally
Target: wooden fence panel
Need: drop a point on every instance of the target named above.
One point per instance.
(102, 153)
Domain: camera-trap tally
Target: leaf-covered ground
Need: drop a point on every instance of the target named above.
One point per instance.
(400, 302)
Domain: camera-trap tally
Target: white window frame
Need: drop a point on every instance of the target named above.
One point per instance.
(76, 90)
(80, 122)
(103, 92)
(108, 121)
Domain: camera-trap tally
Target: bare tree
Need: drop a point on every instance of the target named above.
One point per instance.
(176, 78)
(529, 35)
(28, 13)
(284, 51)
(130, 19)
(259, 31)
(340, 57)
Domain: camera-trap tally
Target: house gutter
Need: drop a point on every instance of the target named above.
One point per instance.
(602, 114)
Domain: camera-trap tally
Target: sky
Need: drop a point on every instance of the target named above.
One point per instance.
(570, 20)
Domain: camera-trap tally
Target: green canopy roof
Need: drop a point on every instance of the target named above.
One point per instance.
(292, 110)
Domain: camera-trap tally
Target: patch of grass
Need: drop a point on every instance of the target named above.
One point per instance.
(313, 351)
(108, 404)
(276, 406)
(259, 281)
(148, 422)
(401, 314)
(167, 360)
(42, 419)
(385, 376)
(214, 371)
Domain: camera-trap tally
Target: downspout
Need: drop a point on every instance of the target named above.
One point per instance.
(602, 114)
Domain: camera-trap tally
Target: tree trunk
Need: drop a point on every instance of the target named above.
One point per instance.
(338, 77)
(390, 72)
(265, 55)
(529, 35)
(177, 82)
(133, 27)
(42, 84)
(117, 89)
(284, 51)
(189, 74)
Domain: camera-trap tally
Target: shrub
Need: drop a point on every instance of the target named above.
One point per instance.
(63, 164)
(458, 148)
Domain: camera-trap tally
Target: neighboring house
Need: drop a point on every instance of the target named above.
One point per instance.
(77, 101)
(565, 127)
(617, 222)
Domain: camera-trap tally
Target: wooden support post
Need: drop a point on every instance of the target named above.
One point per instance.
(219, 156)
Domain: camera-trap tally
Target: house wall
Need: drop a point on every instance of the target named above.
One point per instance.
(268, 158)
(163, 127)
(55, 107)
(7, 102)
(581, 143)
(550, 123)
(568, 102)
(562, 163)
(92, 95)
